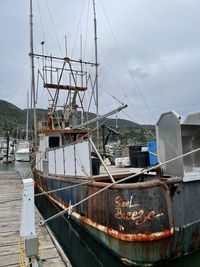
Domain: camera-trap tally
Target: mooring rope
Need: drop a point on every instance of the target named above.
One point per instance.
(63, 188)
(101, 190)
(48, 192)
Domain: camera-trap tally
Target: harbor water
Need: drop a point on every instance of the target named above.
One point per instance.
(81, 249)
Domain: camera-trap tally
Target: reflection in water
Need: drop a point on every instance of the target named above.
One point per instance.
(81, 249)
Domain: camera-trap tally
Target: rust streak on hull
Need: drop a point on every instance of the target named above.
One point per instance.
(141, 237)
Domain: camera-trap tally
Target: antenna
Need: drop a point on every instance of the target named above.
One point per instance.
(66, 45)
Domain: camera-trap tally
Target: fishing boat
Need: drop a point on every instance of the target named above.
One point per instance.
(143, 218)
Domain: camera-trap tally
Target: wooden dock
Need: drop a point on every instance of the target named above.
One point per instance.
(10, 212)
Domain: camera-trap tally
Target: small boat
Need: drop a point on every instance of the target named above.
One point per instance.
(22, 152)
(143, 218)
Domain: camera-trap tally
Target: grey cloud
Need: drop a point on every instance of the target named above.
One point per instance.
(158, 42)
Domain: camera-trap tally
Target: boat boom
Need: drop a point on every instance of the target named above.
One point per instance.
(100, 117)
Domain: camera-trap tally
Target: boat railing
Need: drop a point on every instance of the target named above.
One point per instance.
(73, 160)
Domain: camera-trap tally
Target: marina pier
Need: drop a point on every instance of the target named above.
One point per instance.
(50, 254)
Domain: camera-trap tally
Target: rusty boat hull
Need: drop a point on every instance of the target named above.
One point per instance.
(142, 223)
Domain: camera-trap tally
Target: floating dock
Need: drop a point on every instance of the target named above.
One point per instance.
(11, 187)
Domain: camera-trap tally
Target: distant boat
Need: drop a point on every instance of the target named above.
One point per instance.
(23, 152)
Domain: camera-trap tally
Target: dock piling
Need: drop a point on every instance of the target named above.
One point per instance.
(27, 228)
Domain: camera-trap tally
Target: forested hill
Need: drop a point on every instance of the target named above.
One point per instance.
(13, 120)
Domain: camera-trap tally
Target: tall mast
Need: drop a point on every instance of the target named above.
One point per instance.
(32, 70)
(27, 115)
(96, 75)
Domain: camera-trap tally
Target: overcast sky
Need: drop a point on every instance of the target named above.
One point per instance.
(149, 51)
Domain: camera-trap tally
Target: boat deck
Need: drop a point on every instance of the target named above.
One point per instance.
(113, 169)
(10, 212)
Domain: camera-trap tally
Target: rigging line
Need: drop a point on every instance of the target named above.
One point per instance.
(38, 81)
(42, 26)
(39, 75)
(126, 65)
(152, 132)
(69, 209)
(37, 86)
(86, 30)
(131, 118)
(141, 126)
(92, 95)
(120, 103)
(110, 67)
(79, 160)
(119, 85)
(47, 192)
(87, 134)
(63, 188)
(79, 22)
(43, 79)
(29, 172)
(114, 97)
(54, 28)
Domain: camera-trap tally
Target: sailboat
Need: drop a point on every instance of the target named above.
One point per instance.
(143, 218)
(22, 152)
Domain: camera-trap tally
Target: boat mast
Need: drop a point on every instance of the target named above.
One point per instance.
(96, 75)
(32, 70)
(27, 111)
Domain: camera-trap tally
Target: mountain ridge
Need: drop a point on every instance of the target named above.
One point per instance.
(13, 120)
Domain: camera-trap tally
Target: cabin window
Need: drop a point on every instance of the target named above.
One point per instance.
(54, 141)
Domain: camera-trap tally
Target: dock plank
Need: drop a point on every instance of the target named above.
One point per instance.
(10, 213)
